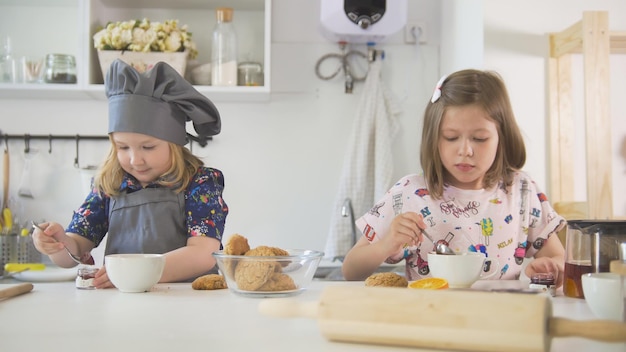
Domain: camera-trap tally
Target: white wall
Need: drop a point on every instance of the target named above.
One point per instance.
(282, 159)
(462, 38)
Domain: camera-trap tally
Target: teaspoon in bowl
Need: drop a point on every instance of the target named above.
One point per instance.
(440, 247)
(443, 248)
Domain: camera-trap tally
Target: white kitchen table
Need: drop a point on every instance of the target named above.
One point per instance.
(174, 317)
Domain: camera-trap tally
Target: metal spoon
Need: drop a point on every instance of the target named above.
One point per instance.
(440, 246)
(443, 248)
(74, 257)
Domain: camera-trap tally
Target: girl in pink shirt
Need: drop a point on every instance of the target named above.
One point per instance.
(472, 193)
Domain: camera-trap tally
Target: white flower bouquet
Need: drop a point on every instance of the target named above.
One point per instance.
(141, 44)
(146, 36)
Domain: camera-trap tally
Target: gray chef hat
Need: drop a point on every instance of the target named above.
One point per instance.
(157, 103)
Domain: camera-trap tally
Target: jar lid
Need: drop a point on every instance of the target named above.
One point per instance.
(542, 278)
(250, 65)
(224, 14)
(604, 227)
(60, 58)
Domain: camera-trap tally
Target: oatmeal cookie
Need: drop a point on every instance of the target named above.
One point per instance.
(267, 251)
(278, 282)
(250, 275)
(209, 282)
(236, 245)
(388, 279)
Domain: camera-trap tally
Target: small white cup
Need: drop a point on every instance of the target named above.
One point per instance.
(463, 269)
(134, 272)
(603, 293)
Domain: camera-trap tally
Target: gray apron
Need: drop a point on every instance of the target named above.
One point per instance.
(151, 220)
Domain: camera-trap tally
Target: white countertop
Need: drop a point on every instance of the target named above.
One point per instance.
(174, 317)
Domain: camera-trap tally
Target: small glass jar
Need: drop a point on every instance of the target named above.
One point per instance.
(250, 74)
(60, 68)
(84, 279)
(543, 282)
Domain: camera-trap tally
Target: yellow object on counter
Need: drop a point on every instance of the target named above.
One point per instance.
(7, 219)
(12, 267)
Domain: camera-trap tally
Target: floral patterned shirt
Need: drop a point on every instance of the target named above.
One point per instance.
(205, 209)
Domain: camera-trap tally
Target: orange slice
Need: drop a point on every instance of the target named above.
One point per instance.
(430, 283)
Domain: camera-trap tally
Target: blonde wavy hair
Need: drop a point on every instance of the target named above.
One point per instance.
(184, 166)
(487, 90)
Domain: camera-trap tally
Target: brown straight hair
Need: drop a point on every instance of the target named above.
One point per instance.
(487, 90)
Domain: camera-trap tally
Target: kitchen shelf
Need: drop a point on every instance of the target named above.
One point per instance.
(19, 19)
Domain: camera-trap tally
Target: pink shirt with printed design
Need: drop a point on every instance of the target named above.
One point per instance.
(507, 224)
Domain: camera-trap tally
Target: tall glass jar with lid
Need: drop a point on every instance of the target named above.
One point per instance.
(7, 63)
(224, 49)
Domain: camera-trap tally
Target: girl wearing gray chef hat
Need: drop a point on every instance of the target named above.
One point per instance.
(151, 195)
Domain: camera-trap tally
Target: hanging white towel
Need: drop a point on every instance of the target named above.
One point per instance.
(368, 163)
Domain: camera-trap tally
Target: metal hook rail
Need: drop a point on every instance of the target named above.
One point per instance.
(202, 141)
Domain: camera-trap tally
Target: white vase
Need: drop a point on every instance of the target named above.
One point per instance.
(142, 61)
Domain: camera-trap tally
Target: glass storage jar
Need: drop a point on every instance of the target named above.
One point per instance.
(224, 49)
(590, 246)
(250, 74)
(60, 68)
(85, 276)
(543, 282)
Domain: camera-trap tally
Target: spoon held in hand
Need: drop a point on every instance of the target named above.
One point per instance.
(75, 258)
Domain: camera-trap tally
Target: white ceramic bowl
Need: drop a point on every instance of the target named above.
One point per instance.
(463, 269)
(135, 272)
(269, 276)
(603, 293)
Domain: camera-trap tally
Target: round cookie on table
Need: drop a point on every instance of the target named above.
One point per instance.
(386, 279)
(209, 282)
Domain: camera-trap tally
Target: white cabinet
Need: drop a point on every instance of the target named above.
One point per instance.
(39, 27)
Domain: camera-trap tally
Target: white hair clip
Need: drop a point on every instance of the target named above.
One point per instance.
(437, 92)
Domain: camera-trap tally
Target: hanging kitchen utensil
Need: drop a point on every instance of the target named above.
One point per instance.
(7, 221)
(24, 187)
(5, 179)
(76, 164)
(443, 319)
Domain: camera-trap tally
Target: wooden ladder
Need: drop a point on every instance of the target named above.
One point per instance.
(591, 38)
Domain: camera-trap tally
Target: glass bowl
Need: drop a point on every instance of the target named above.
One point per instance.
(269, 276)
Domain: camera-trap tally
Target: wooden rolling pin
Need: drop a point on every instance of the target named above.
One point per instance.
(443, 319)
(15, 290)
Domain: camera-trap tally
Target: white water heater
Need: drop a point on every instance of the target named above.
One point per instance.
(362, 21)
